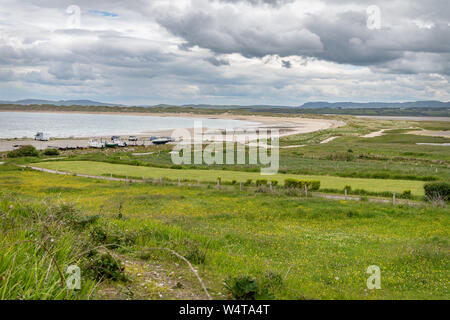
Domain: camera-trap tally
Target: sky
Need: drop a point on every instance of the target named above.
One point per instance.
(272, 52)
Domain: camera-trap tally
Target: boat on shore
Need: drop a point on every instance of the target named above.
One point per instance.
(160, 140)
(115, 142)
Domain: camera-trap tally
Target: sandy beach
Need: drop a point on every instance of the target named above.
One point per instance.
(285, 125)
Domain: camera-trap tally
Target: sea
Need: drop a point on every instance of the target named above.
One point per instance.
(83, 125)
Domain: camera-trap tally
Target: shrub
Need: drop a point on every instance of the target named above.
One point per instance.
(24, 151)
(248, 182)
(348, 188)
(242, 288)
(290, 183)
(312, 185)
(261, 182)
(437, 191)
(104, 266)
(315, 185)
(233, 182)
(406, 194)
(51, 152)
(274, 183)
(249, 288)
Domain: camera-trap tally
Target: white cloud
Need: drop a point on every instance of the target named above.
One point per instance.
(237, 52)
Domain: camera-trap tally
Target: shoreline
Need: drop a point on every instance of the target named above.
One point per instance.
(286, 126)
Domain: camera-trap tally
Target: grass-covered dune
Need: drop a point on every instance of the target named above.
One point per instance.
(327, 182)
(316, 249)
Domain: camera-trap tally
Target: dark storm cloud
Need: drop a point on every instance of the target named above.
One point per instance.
(341, 37)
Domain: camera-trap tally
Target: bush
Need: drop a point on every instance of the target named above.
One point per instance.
(274, 183)
(104, 266)
(290, 183)
(315, 185)
(51, 152)
(348, 188)
(261, 182)
(249, 288)
(437, 191)
(248, 182)
(406, 194)
(24, 151)
(312, 185)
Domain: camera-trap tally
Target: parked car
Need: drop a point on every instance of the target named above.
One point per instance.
(132, 138)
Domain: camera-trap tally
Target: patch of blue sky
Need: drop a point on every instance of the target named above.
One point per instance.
(103, 13)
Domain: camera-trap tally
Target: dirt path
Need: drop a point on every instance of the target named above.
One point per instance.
(151, 280)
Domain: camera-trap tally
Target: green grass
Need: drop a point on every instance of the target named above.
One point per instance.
(325, 245)
(327, 182)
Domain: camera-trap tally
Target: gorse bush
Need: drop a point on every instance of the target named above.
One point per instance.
(24, 151)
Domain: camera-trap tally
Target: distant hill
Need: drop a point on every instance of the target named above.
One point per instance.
(27, 102)
(307, 105)
(371, 105)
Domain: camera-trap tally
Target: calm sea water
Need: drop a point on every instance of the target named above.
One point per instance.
(63, 125)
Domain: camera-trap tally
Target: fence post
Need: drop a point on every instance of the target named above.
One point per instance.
(218, 184)
(160, 180)
(270, 185)
(306, 191)
(179, 182)
(345, 193)
(240, 186)
(111, 175)
(393, 198)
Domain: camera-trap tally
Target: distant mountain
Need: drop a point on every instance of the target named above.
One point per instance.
(307, 105)
(27, 102)
(371, 105)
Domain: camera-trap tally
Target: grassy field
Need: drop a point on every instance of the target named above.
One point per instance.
(319, 248)
(395, 155)
(327, 182)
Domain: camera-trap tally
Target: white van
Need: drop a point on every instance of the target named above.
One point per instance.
(41, 136)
